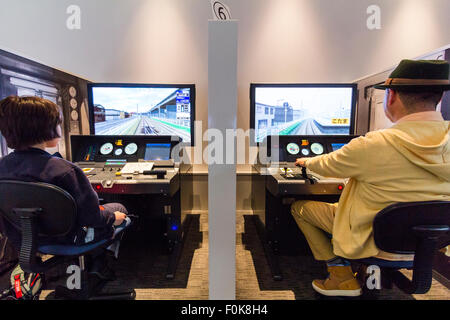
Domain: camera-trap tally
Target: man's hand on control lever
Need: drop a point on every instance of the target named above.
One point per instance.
(301, 162)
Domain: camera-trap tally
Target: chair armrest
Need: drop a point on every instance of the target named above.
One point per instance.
(427, 240)
(431, 231)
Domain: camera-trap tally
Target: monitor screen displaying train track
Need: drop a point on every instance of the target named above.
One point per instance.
(302, 109)
(128, 109)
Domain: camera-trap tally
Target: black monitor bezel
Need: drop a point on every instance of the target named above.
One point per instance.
(92, 85)
(253, 86)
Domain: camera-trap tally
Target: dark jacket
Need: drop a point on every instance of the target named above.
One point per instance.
(36, 165)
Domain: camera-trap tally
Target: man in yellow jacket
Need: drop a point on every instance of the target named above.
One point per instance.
(408, 162)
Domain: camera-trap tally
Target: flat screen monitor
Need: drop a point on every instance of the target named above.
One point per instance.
(157, 151)
(337, 146)
(302, 109)
(142, 109)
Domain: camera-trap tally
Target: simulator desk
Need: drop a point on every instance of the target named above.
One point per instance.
(152, 187)
(276, 186)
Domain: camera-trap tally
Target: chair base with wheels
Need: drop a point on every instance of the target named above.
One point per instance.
(89, 285)
(42, 211)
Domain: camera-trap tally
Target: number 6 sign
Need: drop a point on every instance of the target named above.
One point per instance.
(220, 10)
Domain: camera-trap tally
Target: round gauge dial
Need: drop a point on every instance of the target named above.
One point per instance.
(74, 115)
(305, 152)
(317, 148)
(131, 148)
(73, 103)
(72, 92)
(293, 148)
(107, 148)
(118, 152)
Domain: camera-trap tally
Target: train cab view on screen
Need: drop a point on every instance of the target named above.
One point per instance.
(255, 151)
(302, 109)
(128, 109)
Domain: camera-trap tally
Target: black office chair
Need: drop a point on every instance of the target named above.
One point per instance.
(43, 213)
(419, 228)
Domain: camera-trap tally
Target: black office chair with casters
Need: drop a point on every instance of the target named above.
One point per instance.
(419, 228)
(44, 213)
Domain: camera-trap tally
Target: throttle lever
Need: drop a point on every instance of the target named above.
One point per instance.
(305, 176)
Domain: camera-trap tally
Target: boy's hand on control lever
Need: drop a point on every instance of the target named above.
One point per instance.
(301, 162)
(120, 217)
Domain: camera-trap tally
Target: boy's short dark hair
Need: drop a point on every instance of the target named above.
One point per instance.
(26, 121)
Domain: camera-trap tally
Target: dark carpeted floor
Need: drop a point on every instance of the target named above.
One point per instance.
(142, 265)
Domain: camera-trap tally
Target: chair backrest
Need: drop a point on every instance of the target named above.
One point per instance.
(393, 226)
(58, 208)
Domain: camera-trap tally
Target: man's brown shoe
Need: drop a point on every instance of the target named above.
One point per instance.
(340, 282)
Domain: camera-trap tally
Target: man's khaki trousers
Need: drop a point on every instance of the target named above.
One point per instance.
(315, 219)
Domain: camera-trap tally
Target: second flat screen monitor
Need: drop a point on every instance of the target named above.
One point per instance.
(302, 109)
(157, 151)
(137, 109)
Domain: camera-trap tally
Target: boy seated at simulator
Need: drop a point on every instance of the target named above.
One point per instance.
(30, 125)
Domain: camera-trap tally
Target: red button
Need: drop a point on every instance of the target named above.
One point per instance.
(98, 187)
(340, 187)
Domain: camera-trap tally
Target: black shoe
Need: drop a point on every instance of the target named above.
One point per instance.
(106, 274)
(99, 267)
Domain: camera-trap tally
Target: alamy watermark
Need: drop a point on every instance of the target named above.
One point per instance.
(73, 281)
(373, 281)
(73, 21)
(374, 20)
(226, 146)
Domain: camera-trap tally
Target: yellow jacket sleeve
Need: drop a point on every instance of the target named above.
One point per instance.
(348, 162)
